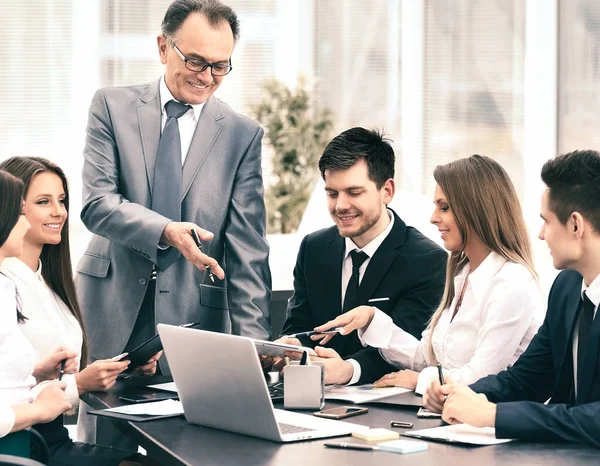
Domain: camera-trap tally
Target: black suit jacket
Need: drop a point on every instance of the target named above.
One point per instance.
(407, 268)
(545, 370)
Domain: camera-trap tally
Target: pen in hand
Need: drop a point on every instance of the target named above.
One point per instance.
(62, 369)
(313, 332)
(199, 244)
(440, 374)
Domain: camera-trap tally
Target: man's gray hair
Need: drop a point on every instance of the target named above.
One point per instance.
(213, 10)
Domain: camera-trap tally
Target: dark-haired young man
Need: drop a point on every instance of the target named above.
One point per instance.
(370, 257)
(561, 362)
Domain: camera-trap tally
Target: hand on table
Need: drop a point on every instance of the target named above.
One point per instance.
(405, 378)
(336, 370)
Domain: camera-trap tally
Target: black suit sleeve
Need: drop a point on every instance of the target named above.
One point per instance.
(299, 317)
(529, 420)
(520, 393)
(411, 312)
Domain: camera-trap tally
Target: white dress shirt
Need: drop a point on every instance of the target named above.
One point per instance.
(501, 311)
(370, 250)
(593, 294)
(187, 122)
(50, 323)
(16, 358)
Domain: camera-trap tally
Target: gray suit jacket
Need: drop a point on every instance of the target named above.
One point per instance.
(222, 192)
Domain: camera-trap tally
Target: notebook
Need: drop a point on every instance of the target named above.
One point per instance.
(459, 433)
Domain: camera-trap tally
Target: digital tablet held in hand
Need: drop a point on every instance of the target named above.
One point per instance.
(140, 354)
(275, 349)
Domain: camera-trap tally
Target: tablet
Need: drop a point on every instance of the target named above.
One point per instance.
(279, 350)
(140, 354)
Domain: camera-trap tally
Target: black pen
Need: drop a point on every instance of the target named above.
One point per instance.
(351, 446)
(440, 374)
(199, 244)
(313, 332)
(62, 369)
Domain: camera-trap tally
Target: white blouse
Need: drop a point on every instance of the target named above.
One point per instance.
(16, 358)
(50, 323)
(501, 311)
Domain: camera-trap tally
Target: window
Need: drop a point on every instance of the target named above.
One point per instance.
(579, 75)
(473, 89)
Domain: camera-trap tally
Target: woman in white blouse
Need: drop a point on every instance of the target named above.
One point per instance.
(492, 305)
(44, 282)
(19, 408)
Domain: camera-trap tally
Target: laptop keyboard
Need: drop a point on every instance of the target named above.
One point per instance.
(276, 392)
(291, 429)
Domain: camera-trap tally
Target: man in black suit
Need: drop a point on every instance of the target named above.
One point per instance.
(561, 362)
(371, 257)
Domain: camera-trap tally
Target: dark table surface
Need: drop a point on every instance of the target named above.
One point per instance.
(173, 441)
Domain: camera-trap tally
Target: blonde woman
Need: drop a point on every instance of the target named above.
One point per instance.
(492, 305)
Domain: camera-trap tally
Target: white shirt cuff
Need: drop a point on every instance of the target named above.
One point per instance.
(357, 371)
(7, 420)
(425, 377)
(379, 332)
(71, 390)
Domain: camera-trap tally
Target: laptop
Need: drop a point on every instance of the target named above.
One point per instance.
(221, 385)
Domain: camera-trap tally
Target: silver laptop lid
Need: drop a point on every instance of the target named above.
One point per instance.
(220, 381)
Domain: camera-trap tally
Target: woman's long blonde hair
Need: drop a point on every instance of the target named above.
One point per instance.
(484, 203)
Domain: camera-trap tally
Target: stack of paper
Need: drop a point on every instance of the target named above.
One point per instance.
(361, 393)
(157, 408)
(460, 433)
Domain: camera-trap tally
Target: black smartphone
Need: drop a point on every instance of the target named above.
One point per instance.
(146, 397)
(341, 412)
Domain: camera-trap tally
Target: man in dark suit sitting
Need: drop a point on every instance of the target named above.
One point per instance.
(371, 257)
(561, 362)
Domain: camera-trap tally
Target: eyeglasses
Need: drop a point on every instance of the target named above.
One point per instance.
(198, 65)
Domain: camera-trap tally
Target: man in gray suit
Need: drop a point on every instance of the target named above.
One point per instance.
(142, 266)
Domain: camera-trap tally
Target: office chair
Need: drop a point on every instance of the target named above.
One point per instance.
(27, 444)
(9, 460)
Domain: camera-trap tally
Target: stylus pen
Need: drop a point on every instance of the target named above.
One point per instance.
(191, 324)
(351, 446)
(199, 244)
(313, 332)
(62, 369)
(440, 374)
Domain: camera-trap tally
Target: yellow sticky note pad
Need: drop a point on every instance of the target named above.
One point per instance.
(376, 435)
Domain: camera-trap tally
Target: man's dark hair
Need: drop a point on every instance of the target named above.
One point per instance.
(213, 10)
(573, 180)
(356, 144)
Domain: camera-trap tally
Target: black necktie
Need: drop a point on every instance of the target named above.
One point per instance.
(586, 318)
(358, 257)
(166, 191)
